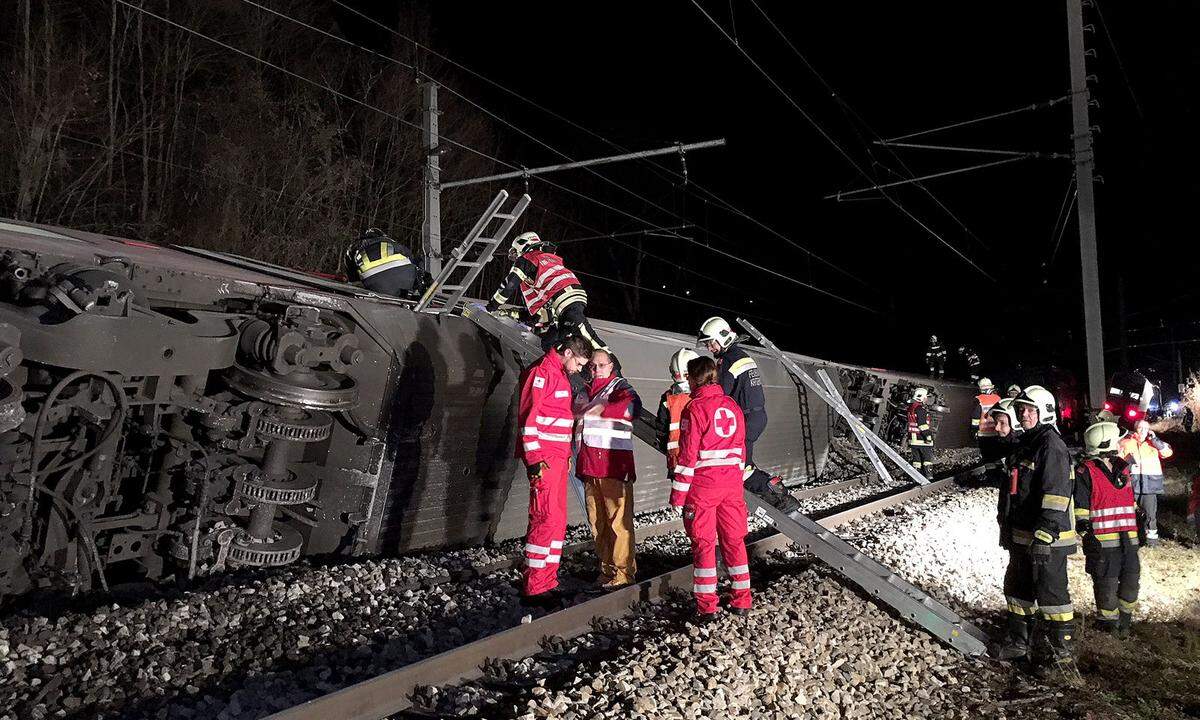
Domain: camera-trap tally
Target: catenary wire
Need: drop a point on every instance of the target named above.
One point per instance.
(1137, 106)
(983, 118)
(837, 146)
(855, 116)
(662, 172)
(369, 106)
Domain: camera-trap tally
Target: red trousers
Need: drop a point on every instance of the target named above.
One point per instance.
(547, 527)
(712, 513)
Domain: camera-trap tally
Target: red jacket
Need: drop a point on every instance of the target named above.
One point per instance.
(549, 278)
(545, 415)
(606, 442)
(712, 443)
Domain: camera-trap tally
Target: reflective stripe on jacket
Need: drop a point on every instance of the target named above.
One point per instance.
(1041, 490)
(919, 432)
(544, 282)
(670, 412)
(1111, 510)
(1145, 462)
(606, 441)
(742, 381)
(712, 443)
(545, 415)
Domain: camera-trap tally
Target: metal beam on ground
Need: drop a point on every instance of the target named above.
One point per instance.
(834, 401)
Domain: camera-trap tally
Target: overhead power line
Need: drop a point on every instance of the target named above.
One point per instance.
(1137, 106)
(662, 172)
(983, 118)
(854, 116)
(834, 143)
(403, 121)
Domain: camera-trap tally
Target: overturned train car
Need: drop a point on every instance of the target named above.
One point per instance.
(169, 412)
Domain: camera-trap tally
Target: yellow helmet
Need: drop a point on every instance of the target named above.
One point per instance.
(1101, 438)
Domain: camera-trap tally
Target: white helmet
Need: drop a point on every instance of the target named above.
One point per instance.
(985, 385)
(679, 363)
(1040, 398)
(1101, 438)
(920, 394)
(1004, 407)
(1011, 388)
(718, 331)
(523, 242)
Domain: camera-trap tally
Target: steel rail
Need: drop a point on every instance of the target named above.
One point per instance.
(391, 692)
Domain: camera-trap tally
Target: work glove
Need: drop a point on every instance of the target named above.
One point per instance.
(678, 510)
(1039, 551)
(492, 305)
(1083, 527)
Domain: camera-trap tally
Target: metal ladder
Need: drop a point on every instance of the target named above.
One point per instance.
(475, 251)
(831, 396)
(881, 582)
(809, 451)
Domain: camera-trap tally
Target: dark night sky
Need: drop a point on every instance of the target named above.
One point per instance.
(647, 74)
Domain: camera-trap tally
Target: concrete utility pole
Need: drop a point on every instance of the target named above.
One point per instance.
(1082, 137)
(431, 229)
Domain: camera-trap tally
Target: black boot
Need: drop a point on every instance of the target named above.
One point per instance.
(1124, 624)
(1016, 640)
(781, 498)
(1060, 665)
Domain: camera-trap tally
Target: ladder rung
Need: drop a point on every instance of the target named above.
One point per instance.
(464, 263)
(444, 288)
(506, 216)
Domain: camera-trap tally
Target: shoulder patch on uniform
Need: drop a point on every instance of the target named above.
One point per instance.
(539, 382)
(742, 366)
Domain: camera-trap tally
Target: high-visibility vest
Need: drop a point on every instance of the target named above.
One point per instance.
(919, 432)
(985, 425)
(552, 279)
(1145, 463)
(1113, 511)
(675, 403)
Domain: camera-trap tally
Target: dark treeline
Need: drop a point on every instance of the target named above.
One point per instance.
(118, 122)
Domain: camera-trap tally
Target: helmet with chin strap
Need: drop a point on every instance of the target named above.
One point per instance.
(1040, 398)
(716, 329)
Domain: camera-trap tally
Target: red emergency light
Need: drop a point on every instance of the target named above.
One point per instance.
(1108, 406)
(1065, 412)
(1132, 413)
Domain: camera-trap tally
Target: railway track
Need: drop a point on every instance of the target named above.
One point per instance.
(393, 692)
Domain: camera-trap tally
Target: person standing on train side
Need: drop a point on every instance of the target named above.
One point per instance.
(920, 432)
(742, 382)
(606, 467)
(545, 283)
(1144, 452)
(708, 492)
(935, 357)
(545, 416)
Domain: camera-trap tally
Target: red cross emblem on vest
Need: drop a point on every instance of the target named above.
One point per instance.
(724, 422)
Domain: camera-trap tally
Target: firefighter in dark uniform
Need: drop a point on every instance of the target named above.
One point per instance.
(741, 380)
(935, 357)
(920, 433)
(383, 265)
(971, 359)
(1106, 518)
(1038, 529)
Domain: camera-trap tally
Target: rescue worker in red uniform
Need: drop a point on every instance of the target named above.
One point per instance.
(741, 380)
(605, 466)
(545, 417)
(1038, 528)
(985, 427)
(708, 489)
(1144, 452)
(670, 408)
(1106, 518)
(548, 288)
(920, 434)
